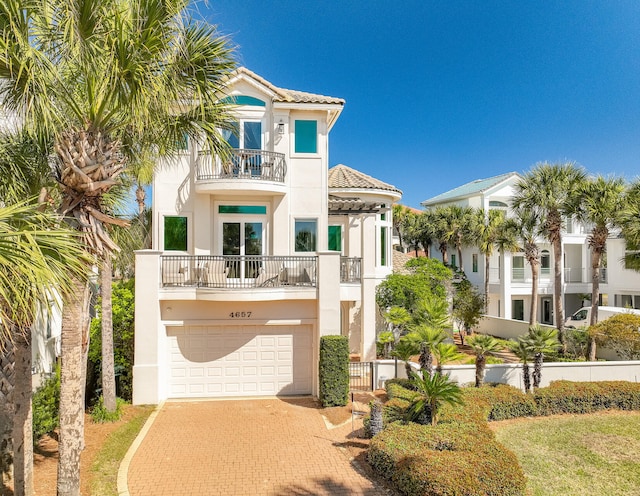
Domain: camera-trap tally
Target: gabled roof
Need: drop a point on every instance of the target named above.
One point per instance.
(343, 177)
(287, 96)
(476, 187)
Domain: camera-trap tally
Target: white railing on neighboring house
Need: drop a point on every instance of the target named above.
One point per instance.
(242, 164)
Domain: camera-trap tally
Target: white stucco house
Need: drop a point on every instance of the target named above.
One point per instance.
(255, 259)
(510, 274)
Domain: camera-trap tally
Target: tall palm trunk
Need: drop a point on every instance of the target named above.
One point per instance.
(481, 364)
(445, 253)
(537, 370)
(534, 262)
(596, 259)
(556, 241)
(486, 282)
(108, 372)
(526, 377)
(141, 196)
(7, 380)
(22, 420)
(72, 385)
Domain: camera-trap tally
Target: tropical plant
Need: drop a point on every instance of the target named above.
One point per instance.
(404, 350)
(445, 353)
(376, 423)
(458, 224)
(432, 392)
(386, 340)
(483, 345)
(397, 318)
(524, 353)
(630, 221)
(432, 311)
(540, 340)
(426, 338)
(468, 306)
(441, 232)
(551, 192)
(600, 208)
(426, 234)
(399, 214)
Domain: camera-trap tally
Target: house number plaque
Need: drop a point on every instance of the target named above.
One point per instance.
(240, 315)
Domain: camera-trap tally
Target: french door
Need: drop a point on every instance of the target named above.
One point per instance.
(243, 241)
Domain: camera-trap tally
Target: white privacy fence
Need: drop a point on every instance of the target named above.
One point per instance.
(512, 373)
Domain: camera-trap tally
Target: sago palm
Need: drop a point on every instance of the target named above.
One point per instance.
(482, 346)
(432, 392)
(404, 350)
(601, 205)
(525, 354)
(426, 338)
(540, 340)
(446, 353)
(551, 192)
(103, 80)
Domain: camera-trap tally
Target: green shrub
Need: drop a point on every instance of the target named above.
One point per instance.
(405, 383)
(100, 415)
(395, 390)
(45, 406)
(334, 370)
(448, 459)
(505, 402)
(587, 397)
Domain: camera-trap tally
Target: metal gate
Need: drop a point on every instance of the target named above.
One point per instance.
(361, 376)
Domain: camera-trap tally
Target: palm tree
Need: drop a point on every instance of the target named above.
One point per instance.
(523, 352)
(426, 338)
(445, 353)
(399, 214)
(397, 318)
(527, 227)
(441, 231)
(426, 231)
(540, 340)
(630, 221)
(37, 257)
(432, 391)
(404, 350)
(600, 208)
(133, 75)
(458, 223)
(483, 345)
(432, 311)
(551, 191)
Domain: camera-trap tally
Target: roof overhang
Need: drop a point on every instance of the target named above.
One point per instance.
(353, 206)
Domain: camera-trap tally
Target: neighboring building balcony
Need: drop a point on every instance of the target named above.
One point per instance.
(246, 171)
(351, 270)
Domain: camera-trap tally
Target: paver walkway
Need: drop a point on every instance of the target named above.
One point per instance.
(245, 447)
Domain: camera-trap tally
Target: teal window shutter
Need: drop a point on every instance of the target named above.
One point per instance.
(335, 238)
(175, 233)
(306, 139)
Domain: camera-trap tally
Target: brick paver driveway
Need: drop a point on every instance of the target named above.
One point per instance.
(245, 447)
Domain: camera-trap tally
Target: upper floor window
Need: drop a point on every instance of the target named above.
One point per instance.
(306, 235)
(175, 233)
(545, 262)
(474, 262)
(246, 135)
(306, 137)
(495, 204)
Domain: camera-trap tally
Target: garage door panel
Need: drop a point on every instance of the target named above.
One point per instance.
(252, 360)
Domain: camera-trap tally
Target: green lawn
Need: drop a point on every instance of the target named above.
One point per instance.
(596, 454)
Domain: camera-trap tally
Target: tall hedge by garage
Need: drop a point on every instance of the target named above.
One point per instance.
(334, 370)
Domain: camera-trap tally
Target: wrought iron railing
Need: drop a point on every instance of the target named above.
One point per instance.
(237, 271)
(350, 269)
(242, 164)
(361, 376)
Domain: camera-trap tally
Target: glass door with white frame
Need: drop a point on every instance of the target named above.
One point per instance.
(242, 243)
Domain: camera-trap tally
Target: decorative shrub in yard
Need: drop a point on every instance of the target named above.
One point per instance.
(446, 459)
(334, 370)
(587, 397)
(45, 406)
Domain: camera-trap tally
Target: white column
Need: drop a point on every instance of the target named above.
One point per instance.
(328, 293)
(505, 286)
(369, 282)
(148, 329)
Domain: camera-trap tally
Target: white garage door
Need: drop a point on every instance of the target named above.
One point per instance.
(218, 361)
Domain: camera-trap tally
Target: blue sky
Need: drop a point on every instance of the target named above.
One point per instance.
(442, 93)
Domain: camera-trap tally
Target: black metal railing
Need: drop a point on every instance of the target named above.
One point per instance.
(237, 271)
(350, 269)
(242, 164)
(361, 376)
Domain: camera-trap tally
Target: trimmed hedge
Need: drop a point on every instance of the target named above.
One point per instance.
(448, 459)
(505, 402)
(334, 370)
(587, 397)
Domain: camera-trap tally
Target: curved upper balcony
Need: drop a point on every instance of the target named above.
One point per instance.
(246, 172)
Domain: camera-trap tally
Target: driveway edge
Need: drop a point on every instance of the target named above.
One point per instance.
(123, 470)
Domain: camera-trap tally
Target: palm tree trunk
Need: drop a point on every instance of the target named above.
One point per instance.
(596, 257)
(408, 369)
(22, 420)
(557, 289)
(141, 196)
(108, 373)
(486, 283)
(481, 362)
(71, 436)
(426, 359)
(537, 370)
(7, 380)
(526, 377)
(460, 258)
(533, 314)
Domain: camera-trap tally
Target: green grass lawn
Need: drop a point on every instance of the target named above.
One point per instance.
(596, 454)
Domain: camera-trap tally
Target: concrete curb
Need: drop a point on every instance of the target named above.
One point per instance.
(123, 470)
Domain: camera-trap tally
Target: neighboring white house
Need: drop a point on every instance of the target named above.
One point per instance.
(256, 258)
(510, 274)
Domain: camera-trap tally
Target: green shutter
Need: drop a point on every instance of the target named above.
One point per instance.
(335, 238)
(306, 139)
(242, 209)
(383, 246)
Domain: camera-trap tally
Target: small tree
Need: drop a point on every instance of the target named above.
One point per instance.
(483, 345)
(522, 351)
(541, 340)
(468, 306)
(620, 333)
(432, 391)
(404, 350)
(426, 339)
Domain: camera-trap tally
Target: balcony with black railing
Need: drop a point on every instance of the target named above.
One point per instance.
(350, 270)
(260, 169)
